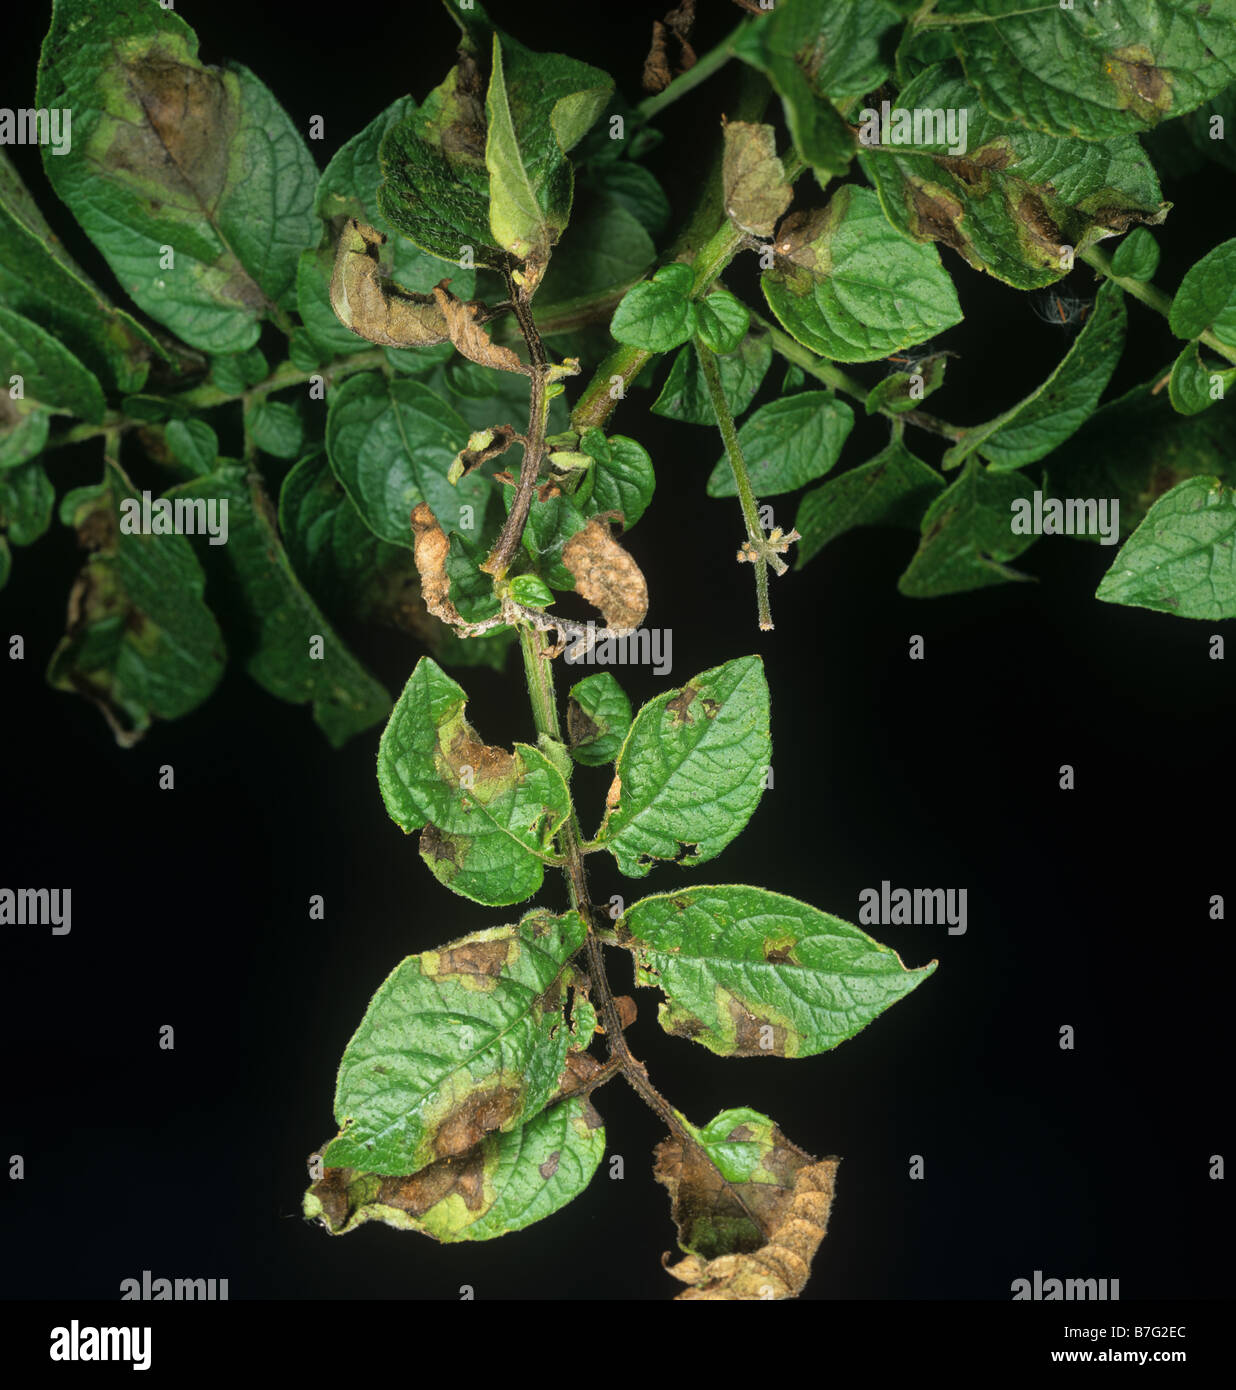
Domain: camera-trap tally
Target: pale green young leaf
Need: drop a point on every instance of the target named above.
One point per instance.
(905, 390)
(721, 321)
(657, 314)
(1137, 255)
(749, 973)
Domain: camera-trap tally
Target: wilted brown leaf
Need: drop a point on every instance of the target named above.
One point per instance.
(371, 306)
(756, 191)
(470, 338)
(432, 548)
(607, 576)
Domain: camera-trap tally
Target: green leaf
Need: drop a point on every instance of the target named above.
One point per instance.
(551, 523)
(787, 443)
(1182, 558)
(1013, 202)
(485, 829)
(598, 719)
(1136, 448)
(193, 443)
(605, 246)
(967, 534)
(816, 52)
(892, 489)
(731, 1193)
(140, 642)
(623, 478)
(1137, 256)
(168, 153)
(1206, 298)
(504, 1184)
(26, 502)
(1184, 145)
(902, 391)
(847, 285)
(39, 280)
(50, 374)
(637, 192)
(685, 393)
(721, 321)
(1093, 71)
(691, 770)
(24, 428)
(748, 973)
(472, 592)
(658, 314)
(1044, 419)
(391, 444)
(551, 102)
(456, 1043)
(1197, 385)
(290, 648)
(276, 428)
(530, 591)
(484, 396)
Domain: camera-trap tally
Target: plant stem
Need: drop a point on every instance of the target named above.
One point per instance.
(1150, 295)
(540, 677)
(500, 557)
(738, 466)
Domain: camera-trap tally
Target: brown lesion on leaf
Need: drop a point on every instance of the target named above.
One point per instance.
(581, 727)
(431, 549)
(751, 1035)
(434, 845)
(550, 1166)
(936, 215)
(463, 323)
(372, 306)
(1038, 228)
(470, 958)
(711, 707)
(682, 1025)
(478, 1115)
(680, 706)
(780, 950)
(488, 764)
(1142, 87)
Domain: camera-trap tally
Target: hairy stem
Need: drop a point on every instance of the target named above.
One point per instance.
(1150, 295)
(738, 466)
(507, 544)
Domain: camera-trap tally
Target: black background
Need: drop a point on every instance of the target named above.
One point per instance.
(1086, 907)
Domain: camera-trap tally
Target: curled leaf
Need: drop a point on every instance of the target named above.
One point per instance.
(371, 306)
(607, 576)
(483, 445)
(432, 548)
(470, 338)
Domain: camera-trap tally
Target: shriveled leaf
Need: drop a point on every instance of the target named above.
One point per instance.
(892, 489)
(1011, 201)
(169, 153)
(391, 444)
(371, 306)
(816, 52)
(140, 642)
(691, 771)
(607, 576)
(749, 973)
(732, 1187)
(849, 286)
(753, 178)
(1044, 419)
(787, 443)
(1182, 558)
(623, 477)
(281, 624)
(967, 535)
(457, 1043)
(1206, 298)
(1093, 71)
(465, 331)
(39, 280)
(779, 1269)
(598, 718)
(658, 314)
(507, 1182)
(685, 393)
(487, 815)
(50, 375)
